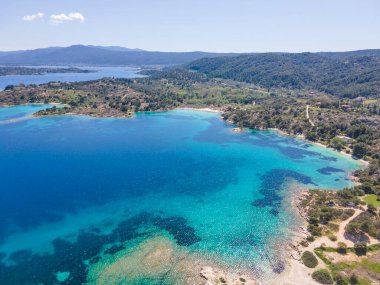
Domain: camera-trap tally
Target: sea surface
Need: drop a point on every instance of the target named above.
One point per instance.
(146, 200)
(101, 72)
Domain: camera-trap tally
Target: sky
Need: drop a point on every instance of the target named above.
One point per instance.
(193, 25)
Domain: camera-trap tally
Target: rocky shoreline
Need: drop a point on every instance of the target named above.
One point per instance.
(215, 277)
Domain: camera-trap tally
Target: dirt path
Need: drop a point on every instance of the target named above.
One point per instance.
(340, 236)
(308, 117)
(342, 226)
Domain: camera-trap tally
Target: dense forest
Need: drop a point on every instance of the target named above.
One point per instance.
(341, 74)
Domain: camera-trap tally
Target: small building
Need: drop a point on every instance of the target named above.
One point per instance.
(345, 139)
(346, 107)
(359, 99)
(330, 203)
(351, 205)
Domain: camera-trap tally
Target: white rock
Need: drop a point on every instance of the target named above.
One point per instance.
(208, 273)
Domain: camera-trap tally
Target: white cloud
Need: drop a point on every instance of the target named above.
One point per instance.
(33, 17)
(61, 18)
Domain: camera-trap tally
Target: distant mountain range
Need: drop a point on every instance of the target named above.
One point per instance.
(117, 56)
(99, 55)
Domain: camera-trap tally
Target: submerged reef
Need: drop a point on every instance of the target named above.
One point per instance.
(159, 260)
(271, 186)
(73, 258)
(328, 170)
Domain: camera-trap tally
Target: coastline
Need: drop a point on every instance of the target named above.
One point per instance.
(295, 271)
(302, 137)
(235, 129)
(205, 109)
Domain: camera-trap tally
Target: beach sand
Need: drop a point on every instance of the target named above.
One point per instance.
(212, 110)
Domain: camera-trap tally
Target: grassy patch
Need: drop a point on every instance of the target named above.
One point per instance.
(374, 247)
(364, 281)
(371, 266)
(332, 237)
(372, 200)
(332, 226)
(319, 253)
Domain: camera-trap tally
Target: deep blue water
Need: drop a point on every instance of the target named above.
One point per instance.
(101, 72)
(76, 192)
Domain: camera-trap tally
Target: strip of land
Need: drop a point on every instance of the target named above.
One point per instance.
(20, 70)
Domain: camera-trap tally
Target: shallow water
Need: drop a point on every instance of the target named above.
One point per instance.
(101, 72)
(81, 193)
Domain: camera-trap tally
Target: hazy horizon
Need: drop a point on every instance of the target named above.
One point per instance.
(175, 25)
(207, 51)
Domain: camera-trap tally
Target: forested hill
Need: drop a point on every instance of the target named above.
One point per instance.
(97, 55)
(348, 74)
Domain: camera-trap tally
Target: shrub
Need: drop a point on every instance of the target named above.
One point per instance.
(310, 238)
(372, 209)
(341, 279)
(309, 259)
(315, 230)
(360, 248)
(353, 228)
(334, 227)
(342, 248)
(337, 143)
(322, 276)
(367, 188)
(333, 238)
(354, 279)
(359, 150)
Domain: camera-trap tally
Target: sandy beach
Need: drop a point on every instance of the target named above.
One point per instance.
(212, 110)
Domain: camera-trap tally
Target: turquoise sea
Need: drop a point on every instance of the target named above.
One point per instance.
(100, 72)
(146, 200)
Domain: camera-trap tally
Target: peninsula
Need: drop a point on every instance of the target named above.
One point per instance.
(22, 70)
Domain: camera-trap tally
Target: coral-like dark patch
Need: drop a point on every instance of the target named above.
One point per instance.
(271, 185)
(71, 257)
(328, 170)
(177, 226)
(114, 249)
(299, 153)
(298, 149)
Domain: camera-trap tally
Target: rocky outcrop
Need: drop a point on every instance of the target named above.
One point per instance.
(216, 277)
